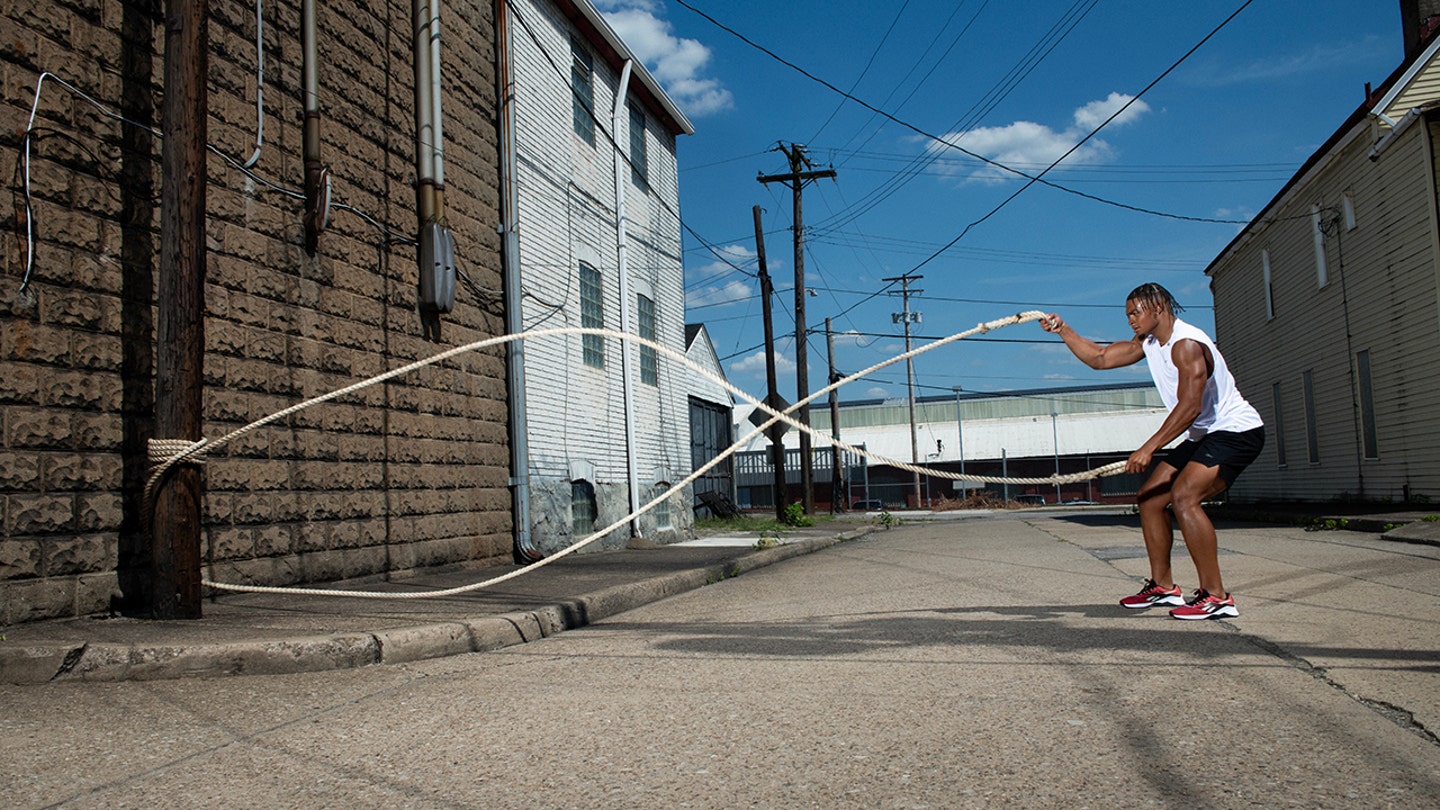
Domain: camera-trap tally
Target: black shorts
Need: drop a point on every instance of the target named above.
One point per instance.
(1230, 451)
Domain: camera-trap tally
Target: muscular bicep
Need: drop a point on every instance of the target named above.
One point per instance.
(1115, 355)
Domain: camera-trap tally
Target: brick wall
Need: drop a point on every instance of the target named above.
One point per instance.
(401, 475)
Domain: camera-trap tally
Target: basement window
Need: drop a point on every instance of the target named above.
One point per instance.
(663, 519)
(582, 508)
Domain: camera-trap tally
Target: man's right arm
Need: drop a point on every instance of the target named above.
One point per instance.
(1092, 354)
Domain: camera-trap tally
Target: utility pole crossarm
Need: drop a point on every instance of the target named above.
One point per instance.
(794, 177)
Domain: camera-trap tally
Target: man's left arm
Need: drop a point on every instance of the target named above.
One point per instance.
(1189, 357)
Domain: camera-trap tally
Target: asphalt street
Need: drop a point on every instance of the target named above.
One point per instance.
(978, 662)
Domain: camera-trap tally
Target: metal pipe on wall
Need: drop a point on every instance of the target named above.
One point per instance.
(525, 549)
(627, 365)
(317, 177)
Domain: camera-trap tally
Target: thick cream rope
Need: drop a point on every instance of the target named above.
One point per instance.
(185, 451)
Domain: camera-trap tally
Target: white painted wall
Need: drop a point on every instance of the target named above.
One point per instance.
(567, 215)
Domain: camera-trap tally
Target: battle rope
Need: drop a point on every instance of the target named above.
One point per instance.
(185, 451)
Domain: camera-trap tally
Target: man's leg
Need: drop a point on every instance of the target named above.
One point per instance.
(1152, 500)
(1194, 485)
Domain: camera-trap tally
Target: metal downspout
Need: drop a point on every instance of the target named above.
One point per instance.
(317, 177)
(424, 122)
(626, 364)
(525, 549)
(437, 120)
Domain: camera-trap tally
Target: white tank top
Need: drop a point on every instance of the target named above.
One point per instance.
(1221, 407)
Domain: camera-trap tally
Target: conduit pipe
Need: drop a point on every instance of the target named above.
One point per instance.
(436, 243)
(525, 549)
(317, 177)
(627, 366)
(259, 86)
(424, 121)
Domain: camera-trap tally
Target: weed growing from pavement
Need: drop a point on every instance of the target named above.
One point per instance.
(888, 520)
(1430, 518)
(795, 516)
(768, 539)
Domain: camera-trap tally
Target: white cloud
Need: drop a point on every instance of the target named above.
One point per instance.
(1275, 66)
(756, 363)
(1030, 147)
(677, 63)
(731, 292)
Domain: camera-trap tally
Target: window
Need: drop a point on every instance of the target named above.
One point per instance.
(1279, 421)
(648, 368)
(592, 316)
(1317, 228)
(1269, 286)
(582, 508)
(662, 509)
(1348, 206)
(1367, 404)
(639, 156)
(1312, 434)
(582, 90)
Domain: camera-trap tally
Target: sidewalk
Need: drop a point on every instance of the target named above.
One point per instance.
(255, 634)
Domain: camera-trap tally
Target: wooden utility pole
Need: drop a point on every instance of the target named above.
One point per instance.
(180, 323)
(800, 173)
(907, 317)
(772, 396)
(836, 490)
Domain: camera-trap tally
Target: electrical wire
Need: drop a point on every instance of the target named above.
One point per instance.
(943, 142)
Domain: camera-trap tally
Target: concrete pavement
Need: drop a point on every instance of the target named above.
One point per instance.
(256, 634)
(954, 661)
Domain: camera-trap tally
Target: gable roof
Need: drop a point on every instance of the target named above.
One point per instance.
(1415, 78)
(1417, 87)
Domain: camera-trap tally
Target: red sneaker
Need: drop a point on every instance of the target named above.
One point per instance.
(1206, 606)
(1151, 595)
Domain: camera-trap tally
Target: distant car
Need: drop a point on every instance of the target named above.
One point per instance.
(1032, 500)
(872, 505)
(1080, 502)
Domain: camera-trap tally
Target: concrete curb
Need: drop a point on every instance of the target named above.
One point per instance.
(34, 664)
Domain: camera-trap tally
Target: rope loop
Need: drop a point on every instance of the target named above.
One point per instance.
(181, 450)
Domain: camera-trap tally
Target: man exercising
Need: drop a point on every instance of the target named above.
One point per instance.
(1224, 435)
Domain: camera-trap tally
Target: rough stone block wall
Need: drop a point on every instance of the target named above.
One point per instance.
(406, 474)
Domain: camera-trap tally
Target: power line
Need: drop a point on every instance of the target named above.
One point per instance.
(997, 164)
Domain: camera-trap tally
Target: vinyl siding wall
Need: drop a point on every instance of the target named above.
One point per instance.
(1383, 284)
(567, 211)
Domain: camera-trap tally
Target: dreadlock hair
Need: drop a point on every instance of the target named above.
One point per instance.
(1151, 294)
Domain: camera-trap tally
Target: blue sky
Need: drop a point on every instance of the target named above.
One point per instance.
(1016, 83)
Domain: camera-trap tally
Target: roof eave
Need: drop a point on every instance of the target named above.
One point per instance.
(614, 50)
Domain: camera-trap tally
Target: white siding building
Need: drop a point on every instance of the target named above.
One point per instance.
(597, 229)
(1328, 305)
